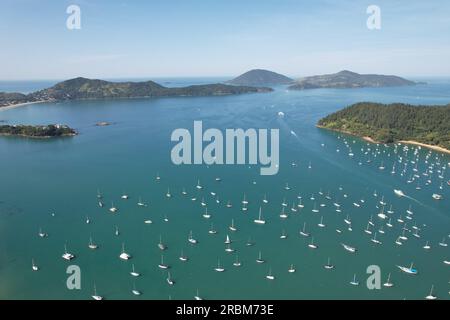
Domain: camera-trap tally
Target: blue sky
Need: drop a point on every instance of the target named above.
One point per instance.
(164, 38)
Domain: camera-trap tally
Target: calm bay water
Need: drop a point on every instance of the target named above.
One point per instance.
(61, 177)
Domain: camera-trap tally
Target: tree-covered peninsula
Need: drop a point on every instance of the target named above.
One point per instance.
(389, 123)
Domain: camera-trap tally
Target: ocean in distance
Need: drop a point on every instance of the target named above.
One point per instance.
(52, 184)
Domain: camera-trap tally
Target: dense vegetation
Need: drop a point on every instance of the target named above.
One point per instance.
(37, 131)
(7, 98)
(82, 88)
(393, 122)
(348, 79)
(259, 77)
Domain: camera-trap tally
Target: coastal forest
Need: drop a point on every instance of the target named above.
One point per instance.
(389, 123)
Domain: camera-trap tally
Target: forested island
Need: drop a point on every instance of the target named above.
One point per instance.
(348, 79)
(387, 123)
(83, 88)
(260, 77)
(47, 131)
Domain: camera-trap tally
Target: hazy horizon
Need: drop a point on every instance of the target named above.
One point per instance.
(157, 39)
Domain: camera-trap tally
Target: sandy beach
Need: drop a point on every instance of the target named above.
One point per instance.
(19, 105)
(369, 139)
(429, 146)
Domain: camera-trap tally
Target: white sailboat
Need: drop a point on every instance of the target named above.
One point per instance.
(329, 266)
(42, 234)
(199, 186)
(291, 269)
(314, 209)
(206, 215)
(260, 259)
(113, 209)
(388, 282)
(311, 245)
(92, 245)
(349, 248)
(409, 270)
(161, 245)
(321, 224)
(232, 227)
(403, 237)
(162, 265)
(375, 240)
(34, 267)
(123, 255)
(116, 232)
(133, 272)
(389, 223)
(228, 248)
(265, 199)
(212, 230)
(283, 215)
(219, 268)
(443, 243)
(169, 280)
(135, 291)
(124, 197)
(237, 263)
(303, 231)
(95, 296)
(140, 203)
(197, 296)
(183, 257)
(270, 276)
(260, 220)
(354, 282)
(244, 201)
(191, 239)
(347, 220)
(227, 240)
(390, 211)
(382, 215)
(409, 210)
(427, 246)
(67, 255)
(367, 230)
(293, 208)
(431, 296)
(283, 235)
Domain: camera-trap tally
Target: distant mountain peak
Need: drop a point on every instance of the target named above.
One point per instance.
(260, 77)
(347, 72)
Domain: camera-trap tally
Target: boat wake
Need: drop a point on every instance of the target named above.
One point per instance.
(400, 193)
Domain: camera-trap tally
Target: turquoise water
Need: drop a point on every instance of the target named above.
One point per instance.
(61, 177)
